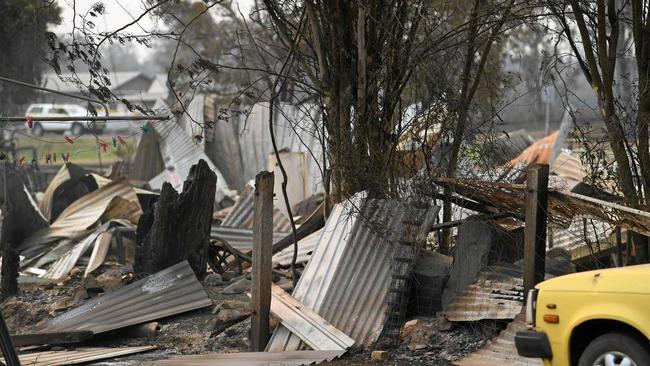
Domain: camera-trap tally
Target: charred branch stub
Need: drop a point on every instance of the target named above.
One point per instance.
(177, 227)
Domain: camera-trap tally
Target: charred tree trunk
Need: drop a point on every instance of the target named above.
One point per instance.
(20, 219)
(177, 227)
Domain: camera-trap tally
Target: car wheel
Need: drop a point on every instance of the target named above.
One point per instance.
(38, 130)
(613, 349)
(77, 129)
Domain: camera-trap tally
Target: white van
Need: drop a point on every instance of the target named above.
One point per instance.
(59, 110)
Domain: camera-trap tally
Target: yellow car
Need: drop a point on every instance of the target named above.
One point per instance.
(590, 318)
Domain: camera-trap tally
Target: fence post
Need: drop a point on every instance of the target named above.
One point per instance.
(535, 232)
(262, 266)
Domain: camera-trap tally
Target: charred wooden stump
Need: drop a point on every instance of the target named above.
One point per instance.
(177, 227)
(20, 219)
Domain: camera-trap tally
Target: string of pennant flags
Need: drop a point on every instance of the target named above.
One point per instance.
(52, 158)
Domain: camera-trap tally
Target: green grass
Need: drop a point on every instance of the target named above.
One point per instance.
(84, 151)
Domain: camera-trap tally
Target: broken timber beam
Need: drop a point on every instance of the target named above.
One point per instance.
(535, 231)
(22, 340)
(314, 222)
(7, 345)
(262, 260)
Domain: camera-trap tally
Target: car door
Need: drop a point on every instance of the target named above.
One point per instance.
(54, 111)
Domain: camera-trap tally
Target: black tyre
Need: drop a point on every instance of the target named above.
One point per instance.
(38, 130)
(77, 129)
(613, 349)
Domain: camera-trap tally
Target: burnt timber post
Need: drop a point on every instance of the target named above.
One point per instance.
(535, 231)
(7, 345)
(177, 226)
(262, 254)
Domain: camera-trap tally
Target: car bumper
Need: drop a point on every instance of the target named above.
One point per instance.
(530, 343)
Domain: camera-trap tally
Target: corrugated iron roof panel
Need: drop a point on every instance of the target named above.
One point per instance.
(239, 238)
(116, 200)
(242, 213)
(79, 355)
(347, 278)
(295, 358)
(493, 296)
(180, 152)
(583, 238)
(171, 291)
(306, 247)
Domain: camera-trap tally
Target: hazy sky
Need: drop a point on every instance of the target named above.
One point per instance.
(118, 13)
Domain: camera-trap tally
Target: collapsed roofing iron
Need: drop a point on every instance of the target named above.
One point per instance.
(295, 358)
(179, 153)
(241, 214)
(172, 291)
(493, 296)
(77, 356)
(351, 268)
(583, 238)
(563, 207)
(116, 200)
(62, 266)
(239, 238)
(306, 247)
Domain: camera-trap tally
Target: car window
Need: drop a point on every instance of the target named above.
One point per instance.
(58, 111)
(35, 110)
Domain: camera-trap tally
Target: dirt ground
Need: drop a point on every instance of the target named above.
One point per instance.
(425, 341)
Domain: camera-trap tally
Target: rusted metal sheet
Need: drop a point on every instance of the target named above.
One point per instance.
(77, 356)
(563, 207)
(295, 358)
(493, 296)
(241, 214)
(306, 247)
(116, 200)
(501, 350)
(179, 153)
(347, 278)
(171, 291)
(312, 329)
(539, 152)
(239, 238)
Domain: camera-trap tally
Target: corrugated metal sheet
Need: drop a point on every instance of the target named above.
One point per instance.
(306, 247)
(583, 238)
(493, 296)
(180, 152)
(239, 238)
(312, 329)
(296, 358)
(241, 214)
(63, 175)
(77, 356)
(501, 351)
(62, 266)
(116, 200)
(242, 145)
(98, 239)
(172, 291)
(347, 279)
